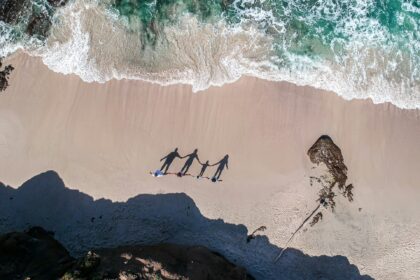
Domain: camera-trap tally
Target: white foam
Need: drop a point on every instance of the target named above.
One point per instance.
(92, 42)
(71, 56)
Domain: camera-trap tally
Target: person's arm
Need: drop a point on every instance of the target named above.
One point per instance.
(227, 167)
(163, 158)
(217, 163)
(196, 156)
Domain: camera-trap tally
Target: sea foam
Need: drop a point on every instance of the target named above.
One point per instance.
(349, 51)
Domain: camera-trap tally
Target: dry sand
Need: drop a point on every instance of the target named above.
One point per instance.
(103, 139)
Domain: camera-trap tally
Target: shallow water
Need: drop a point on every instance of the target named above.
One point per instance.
(357, 48)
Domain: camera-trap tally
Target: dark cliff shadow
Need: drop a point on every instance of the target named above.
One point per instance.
(81, 223)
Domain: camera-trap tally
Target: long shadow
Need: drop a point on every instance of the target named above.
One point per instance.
(190, 160)
(168, 160)
(221, 166)
(82, 224)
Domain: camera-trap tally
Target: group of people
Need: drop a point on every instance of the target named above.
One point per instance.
(168, 160)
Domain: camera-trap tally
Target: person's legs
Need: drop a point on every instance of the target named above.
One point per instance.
(216, 173)
(187, 166)
(163, 168)
(166, 165)
(219, 170)
(183, 168)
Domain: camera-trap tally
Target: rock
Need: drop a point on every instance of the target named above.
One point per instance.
(4, 76)
(39, 25)
(34, 19)
(34, 254)
(57, 3)
(162, 261)
(325, 151)
(11, 11)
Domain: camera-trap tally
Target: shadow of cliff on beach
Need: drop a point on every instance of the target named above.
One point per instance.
(81, 223)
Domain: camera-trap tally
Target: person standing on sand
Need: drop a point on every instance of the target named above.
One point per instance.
(222, 163)
(168, 160)
(191, 157)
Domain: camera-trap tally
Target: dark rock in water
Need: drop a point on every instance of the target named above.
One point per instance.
(36, 20)
(34, 253)
(57, 3)
(325, 151)
(11, 11)
(39, 25)
(4, 76)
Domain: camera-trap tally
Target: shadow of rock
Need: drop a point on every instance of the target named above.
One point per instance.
(35, 254)
(81, 224)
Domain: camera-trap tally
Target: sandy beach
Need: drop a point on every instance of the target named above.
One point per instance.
(104, 139)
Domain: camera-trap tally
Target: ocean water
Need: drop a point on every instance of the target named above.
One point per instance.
(356, 48)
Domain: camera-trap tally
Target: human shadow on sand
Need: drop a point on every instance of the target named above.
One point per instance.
(168, 160)
(82, 223)
(190, 160)
(221, 166)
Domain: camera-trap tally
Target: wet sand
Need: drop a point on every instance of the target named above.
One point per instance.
(104, 139)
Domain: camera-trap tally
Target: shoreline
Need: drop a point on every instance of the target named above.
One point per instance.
(104, 139)
(190, 87)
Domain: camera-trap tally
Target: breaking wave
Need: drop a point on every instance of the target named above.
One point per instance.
(356, 48)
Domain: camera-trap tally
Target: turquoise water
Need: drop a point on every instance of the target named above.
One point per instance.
(312, 27)
(357, 48)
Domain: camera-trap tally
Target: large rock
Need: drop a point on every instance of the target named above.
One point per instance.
(35, 19)
(11, 11)
(325, 151)
(34, 253)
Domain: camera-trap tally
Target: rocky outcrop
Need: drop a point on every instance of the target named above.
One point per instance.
(35, 254)
(324, 151)
(13, 10)
(39, 25)
(57, 3)
(33, 19)
(4, 76)
(163, 261)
